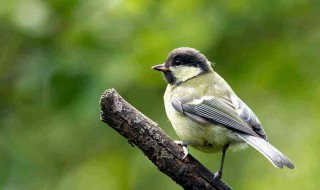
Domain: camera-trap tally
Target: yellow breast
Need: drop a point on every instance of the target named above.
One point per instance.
(204, 137)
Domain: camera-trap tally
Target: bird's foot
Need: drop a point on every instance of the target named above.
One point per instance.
(184, 148)
(217, 175)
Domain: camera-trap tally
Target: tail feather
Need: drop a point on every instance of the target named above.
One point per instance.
(277, 158)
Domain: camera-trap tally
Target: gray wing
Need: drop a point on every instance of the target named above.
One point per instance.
(212, 110)
(236, 116)
(248, 116)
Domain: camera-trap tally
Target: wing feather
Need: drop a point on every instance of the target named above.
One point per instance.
(248, 116)
(232, 113)
(212, 110)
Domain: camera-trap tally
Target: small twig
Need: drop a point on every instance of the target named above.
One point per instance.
(155, 144)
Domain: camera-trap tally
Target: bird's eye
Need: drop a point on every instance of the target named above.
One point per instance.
(177, 62)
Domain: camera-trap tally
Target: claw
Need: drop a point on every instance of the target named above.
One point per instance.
(184, 148)
(185, 152)
(217, 175)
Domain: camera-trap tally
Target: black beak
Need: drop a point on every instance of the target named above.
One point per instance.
(161, 68)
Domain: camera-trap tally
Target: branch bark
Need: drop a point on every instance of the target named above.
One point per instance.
(155, 144)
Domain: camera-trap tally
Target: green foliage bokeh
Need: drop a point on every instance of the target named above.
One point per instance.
(58, 56)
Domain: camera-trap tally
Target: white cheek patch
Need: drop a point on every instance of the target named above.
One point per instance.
(183, 73)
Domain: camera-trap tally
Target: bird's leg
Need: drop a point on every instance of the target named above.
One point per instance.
(184, 147)
(218, 174)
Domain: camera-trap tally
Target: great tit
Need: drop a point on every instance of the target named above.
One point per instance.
(205, 112)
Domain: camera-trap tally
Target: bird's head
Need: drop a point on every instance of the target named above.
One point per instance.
(183, 64)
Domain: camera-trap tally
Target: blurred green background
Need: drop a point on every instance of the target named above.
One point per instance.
(58, 56)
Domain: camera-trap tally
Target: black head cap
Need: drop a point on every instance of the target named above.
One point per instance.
(187, 57)
(181, 60)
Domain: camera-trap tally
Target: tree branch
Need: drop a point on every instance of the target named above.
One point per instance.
(155, 144)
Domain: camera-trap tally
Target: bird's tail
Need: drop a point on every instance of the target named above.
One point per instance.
(277, 158)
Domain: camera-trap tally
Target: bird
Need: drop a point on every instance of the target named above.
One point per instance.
(205, 112)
